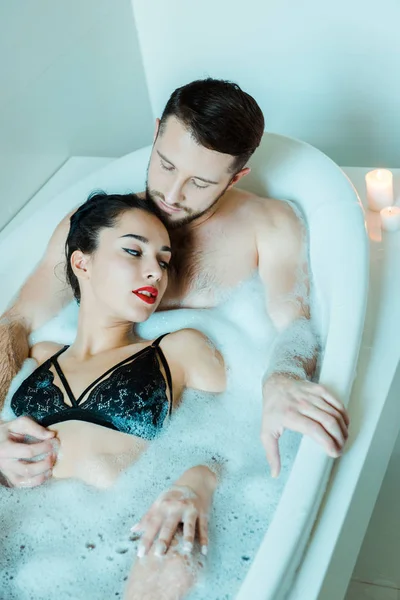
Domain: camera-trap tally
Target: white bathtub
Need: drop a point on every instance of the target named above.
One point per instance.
(283, 168)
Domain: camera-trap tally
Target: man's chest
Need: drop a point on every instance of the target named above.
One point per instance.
(207, 263)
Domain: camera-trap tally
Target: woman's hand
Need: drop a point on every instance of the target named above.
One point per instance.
(26, 463)
(188, 503)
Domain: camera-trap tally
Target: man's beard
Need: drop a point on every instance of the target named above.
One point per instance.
(191, 216)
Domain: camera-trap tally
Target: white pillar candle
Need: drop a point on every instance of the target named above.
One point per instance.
(390, 218)
(379, 189)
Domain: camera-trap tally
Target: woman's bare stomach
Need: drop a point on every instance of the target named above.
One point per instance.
(93, 453)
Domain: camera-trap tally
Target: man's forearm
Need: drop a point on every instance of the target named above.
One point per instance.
(14, 349)
(295, 351)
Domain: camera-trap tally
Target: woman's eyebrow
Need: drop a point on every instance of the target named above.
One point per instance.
(143, 239)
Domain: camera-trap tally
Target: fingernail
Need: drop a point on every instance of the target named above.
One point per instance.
(161, 548)
(135, 527)
(141, 551)
(204, 550)
(187, 547)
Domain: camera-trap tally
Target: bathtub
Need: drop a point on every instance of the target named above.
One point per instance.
(297, 556)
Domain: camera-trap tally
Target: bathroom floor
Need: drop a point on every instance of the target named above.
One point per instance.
(377, 573)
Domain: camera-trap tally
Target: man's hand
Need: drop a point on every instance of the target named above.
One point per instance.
(28, 452)
(304, 407)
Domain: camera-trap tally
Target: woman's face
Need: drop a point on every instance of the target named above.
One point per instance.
(128, 273)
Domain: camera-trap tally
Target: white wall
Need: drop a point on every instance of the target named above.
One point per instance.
(71, 83)
(325, 72)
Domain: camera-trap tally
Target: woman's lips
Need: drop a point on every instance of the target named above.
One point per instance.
(147, 294)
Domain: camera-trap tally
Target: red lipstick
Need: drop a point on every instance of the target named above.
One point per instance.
(147, 294)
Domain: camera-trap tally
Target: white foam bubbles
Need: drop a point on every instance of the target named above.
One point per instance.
(85, 533)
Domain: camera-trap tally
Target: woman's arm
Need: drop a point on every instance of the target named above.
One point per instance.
(202, 365)
(199, 366)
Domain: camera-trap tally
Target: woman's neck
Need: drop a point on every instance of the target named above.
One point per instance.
(98, 333)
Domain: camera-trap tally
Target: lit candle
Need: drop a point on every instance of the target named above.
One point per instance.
(390, 218)
(379, 189)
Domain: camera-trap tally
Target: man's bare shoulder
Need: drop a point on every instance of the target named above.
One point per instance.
(271, 213)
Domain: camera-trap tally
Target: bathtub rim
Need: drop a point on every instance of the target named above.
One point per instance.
(307, 449)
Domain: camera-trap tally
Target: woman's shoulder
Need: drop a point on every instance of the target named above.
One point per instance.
(201, 361)
(187, 335)
(187, 341)
(44, 350)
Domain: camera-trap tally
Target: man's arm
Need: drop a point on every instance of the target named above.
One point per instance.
(42, 296)
(290, 401)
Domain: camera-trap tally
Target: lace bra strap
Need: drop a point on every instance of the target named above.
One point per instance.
(156, 346)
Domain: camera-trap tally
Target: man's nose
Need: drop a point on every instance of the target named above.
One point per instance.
(174, 194)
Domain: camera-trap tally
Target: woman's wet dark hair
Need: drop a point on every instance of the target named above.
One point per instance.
(100, 211)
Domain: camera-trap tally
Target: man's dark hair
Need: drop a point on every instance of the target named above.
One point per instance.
(100, 211)
(220, 116)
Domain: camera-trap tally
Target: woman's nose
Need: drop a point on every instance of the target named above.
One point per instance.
(154, 272)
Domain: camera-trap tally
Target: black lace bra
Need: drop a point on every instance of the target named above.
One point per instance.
(130, 397)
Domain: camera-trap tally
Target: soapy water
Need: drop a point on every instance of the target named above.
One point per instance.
(66, 539)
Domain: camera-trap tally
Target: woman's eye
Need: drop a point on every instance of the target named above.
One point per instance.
(164, 265)
(167, 167)
(133, 252)
(201, 187)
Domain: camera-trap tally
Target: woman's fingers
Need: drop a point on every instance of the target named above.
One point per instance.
(162, 521)
(203, 533)
(167, 532)
(151, 525)
(189, 529)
